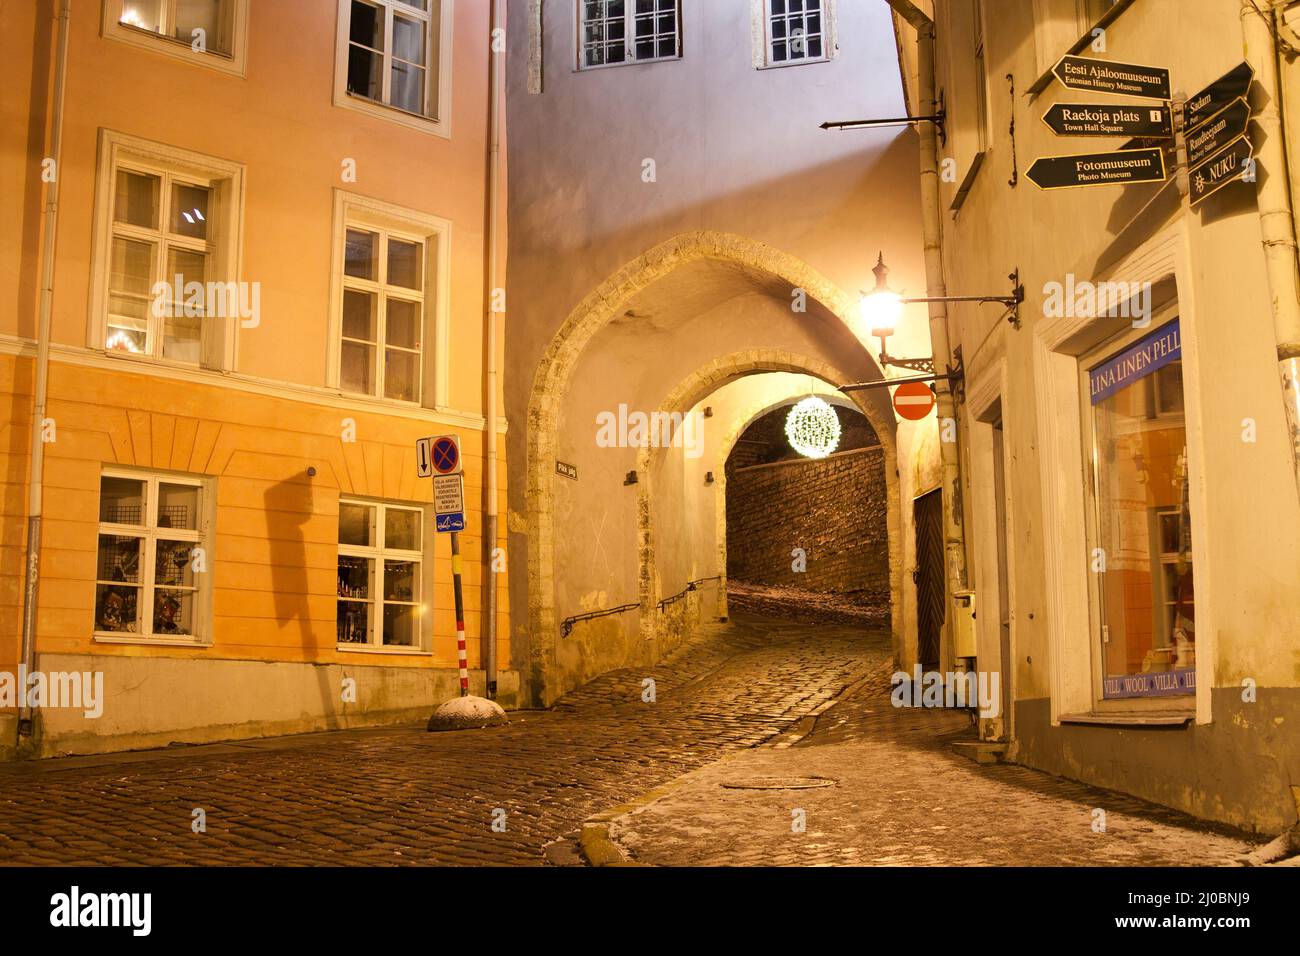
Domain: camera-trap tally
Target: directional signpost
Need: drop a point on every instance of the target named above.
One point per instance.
(1224, 167)
(1233, 84)
(1218, 131)
(1130, 120)
(1124, 166)
(1217, 117)
(1089, 119)
(1118, 79)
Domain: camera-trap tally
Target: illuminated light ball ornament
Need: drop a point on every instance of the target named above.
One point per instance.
(813, 428)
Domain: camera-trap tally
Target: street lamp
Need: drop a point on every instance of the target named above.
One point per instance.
(882, 307)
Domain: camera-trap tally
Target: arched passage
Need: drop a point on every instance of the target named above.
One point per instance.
(661, 629)
(728, 279)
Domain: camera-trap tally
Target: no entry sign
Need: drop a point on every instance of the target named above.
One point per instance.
(913, 400)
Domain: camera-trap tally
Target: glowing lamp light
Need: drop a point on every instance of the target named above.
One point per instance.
(881, 308)
(132, 18)
(121, 342)
(813, 428)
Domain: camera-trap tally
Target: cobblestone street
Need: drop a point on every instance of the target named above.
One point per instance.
(403, 796)
(900, 796)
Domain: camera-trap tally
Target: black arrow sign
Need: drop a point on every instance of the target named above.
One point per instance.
(1218, 131)
(1236, 82)
(1098, 169)
(1224, 167)
(1089, 119)
(1121, 79)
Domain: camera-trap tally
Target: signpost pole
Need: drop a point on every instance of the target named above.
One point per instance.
(460, 615)
(1179, 105)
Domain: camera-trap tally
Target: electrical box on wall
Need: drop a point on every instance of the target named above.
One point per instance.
(963, 624)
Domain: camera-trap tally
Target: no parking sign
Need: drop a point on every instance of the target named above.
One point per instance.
(438, 456)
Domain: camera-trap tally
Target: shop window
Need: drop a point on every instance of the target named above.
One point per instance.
(150, 579)
(1142, 551)
(379, 574)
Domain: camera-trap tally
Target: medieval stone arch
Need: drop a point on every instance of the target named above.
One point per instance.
(557, 364)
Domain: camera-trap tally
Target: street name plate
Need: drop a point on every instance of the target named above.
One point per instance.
(1090, 119)
(1218, 131)
(1118, 79)
(1122, 167)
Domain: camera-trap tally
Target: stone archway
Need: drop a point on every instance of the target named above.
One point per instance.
(597, 310)
(751, 415)
(698, 387)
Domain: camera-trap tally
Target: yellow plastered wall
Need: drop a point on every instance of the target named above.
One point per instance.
(274, 547)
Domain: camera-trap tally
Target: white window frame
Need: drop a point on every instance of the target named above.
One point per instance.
(762, 16)
(235, 62)
(629, 37)
(1058, 345)
(149, 532)
(225, 180)
(384, 291)
(361, 212)
(378, 552)
(1111, 346)
(438, 47)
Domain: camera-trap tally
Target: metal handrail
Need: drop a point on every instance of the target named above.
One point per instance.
(691, 586)
(566, 626)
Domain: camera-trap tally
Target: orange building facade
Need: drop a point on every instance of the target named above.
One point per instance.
(271, 277)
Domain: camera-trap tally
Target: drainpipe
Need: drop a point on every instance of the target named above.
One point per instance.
(490, 359)
(31, 583)
(1276, 218)
(953, 526)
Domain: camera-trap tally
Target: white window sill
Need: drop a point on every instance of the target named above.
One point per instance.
(1131, 719)
(377, 401)
(788, 63)
(649, 61)
(231, 64)
(116, 638)
(395, 114)
(380, 649)
(143, 358)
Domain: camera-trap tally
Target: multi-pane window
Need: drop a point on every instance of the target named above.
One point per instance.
(388, 52)
(204, 25)
(796, 30)
(379, 574)
(162, 241)
(149, 578)
(627, 31)
(383, 314)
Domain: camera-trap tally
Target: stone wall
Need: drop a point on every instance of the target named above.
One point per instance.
(834, 509)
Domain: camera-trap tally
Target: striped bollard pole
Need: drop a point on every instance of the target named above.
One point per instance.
(460, 615)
